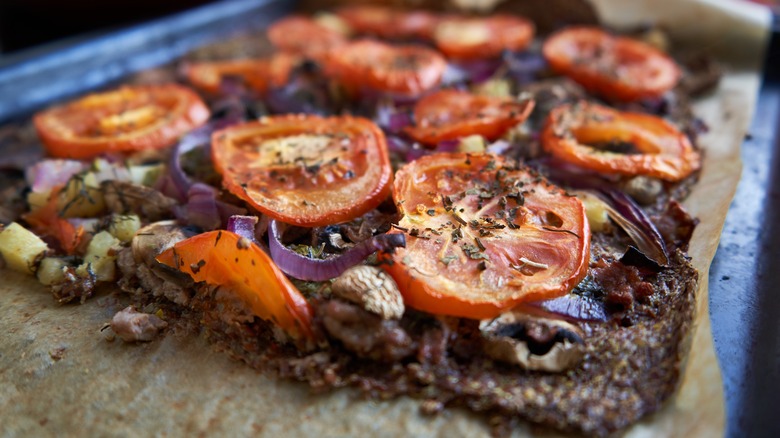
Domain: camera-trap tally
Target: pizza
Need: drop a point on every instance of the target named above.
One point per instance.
(447, 207)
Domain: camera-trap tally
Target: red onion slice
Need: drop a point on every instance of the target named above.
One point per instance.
(392, 119)
(573, 306)
(448, 145)
(472, 71)
(306, 91)
(47, 174)
(397, 145)
(244, 226)
(620, 207)
(499, 147)
(176, 184)
(633, 220)
(524, 66)
(305, 268)
(204, 210)
(202, 207)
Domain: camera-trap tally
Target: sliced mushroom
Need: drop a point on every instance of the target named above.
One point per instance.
(532, 342)
(371, 288)
(155, 238)
(644, 189)
(139, 267)
(134, 326)
(124, 197)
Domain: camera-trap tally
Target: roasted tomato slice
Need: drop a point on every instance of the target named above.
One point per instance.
(479, 38)
(404, 70)
(305, 170)
(128, 119)
(451, 114)
(483, 235)
(617, 68)
(603, 139)
(389, 23)
(303, 36)
(257, 74)
(226, 259)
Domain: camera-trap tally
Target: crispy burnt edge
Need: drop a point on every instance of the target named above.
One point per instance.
(442, 360)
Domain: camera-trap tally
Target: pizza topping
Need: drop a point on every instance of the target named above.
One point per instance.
(389, 23)
(155, 238)
(365, 333)
(484, 37)
(305, 170)
(574, 307)
(451, 114)
(308, 91)
(300, 35)
(676, 225)
(21, 249)
(602, 139)
(175, 182)
(125, 197)
(216, 258)
(643, 189)
(617, 68)
(47, 174)
(134, 326)
(256, 74)
(623, 285)
(129, 119)
(308, 268)
(371, 288)
(406, 70)
(244, 226)
(483, 236)
(533, 343)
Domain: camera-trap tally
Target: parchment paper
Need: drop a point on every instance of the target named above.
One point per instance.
(59, 376)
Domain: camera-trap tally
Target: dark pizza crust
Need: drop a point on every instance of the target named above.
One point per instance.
(632, 362)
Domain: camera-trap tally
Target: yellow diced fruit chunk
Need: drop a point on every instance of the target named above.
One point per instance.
(473, 144)
(145, 174)
(494, 88)
(123, 227)
(21, 248)
(37, 200)
(100, 259)
(51, 271)
(333, 22)
(595, 210)
(81, 197)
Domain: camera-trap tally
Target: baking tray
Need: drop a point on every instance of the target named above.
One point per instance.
(34, 79)
(744, 307)
(744, 315)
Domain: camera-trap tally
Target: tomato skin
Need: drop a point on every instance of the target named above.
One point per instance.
(479, 38)
(406, 70)
(389, 23)
(462, 256)
(85, 128)
(618, 68)
(347, 174)
(222, 258)
(664, 151)
(257, 74)
(301, 35)
(452, 114)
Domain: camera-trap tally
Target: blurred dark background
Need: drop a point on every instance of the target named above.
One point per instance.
(28, 23)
